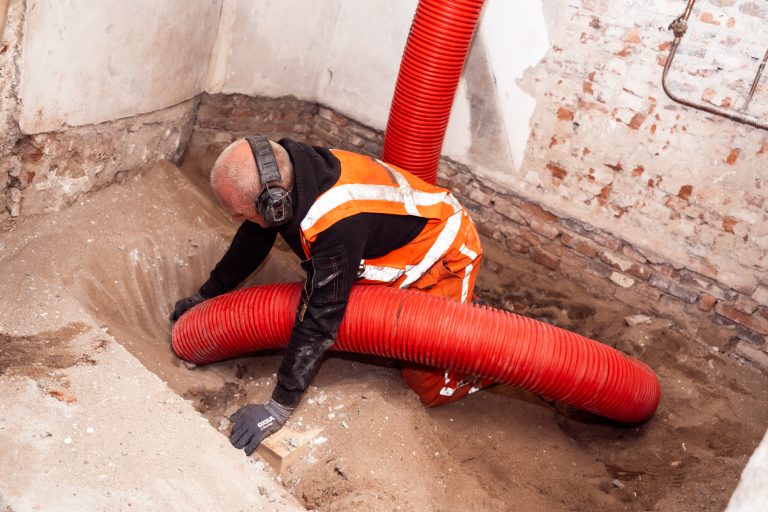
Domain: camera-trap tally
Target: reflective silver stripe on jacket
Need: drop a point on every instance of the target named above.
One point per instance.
(410, 198)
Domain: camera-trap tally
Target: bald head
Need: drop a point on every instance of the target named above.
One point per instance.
(236, 181)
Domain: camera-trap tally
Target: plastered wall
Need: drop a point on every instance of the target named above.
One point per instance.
(90, 62)
(93, 90)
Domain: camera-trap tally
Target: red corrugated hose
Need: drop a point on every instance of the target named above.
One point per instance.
(439, 332)
(434, 56)
(414, 326)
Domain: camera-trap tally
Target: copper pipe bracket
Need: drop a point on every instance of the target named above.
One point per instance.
(679, 26)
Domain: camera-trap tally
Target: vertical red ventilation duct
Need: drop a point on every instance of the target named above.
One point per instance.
(414, 326)
(434, 56)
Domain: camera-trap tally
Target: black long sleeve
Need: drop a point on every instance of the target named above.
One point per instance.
(331, 270)
(333, 267)
(248, 249)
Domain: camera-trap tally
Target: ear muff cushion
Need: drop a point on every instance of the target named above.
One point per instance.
(274, 204)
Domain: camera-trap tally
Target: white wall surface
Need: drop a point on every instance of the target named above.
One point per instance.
(516, 38)
(751, 495)
(340, 53)
(347, 55)
(275, 48)
(364, 58)
(90, 62)
(86, 62)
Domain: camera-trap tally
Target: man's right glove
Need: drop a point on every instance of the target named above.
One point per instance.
(251, 424)
(184, 304)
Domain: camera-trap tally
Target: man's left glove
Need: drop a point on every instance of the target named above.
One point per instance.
(182, 305)
(251, 424)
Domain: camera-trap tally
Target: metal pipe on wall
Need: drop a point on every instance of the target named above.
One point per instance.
(679, 26)
(3, 14)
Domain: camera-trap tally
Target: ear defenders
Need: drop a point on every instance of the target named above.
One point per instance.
(274, 204)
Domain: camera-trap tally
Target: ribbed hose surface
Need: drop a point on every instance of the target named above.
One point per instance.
(417, 327)
(430, 70)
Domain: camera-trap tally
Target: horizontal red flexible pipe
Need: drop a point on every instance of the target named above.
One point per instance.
(417, 327)
(430, 70)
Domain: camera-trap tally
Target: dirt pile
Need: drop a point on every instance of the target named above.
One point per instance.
(500, 449)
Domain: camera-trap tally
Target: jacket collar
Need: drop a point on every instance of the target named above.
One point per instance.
(315, 170)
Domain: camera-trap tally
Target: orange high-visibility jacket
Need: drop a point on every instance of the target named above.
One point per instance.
(447, 244)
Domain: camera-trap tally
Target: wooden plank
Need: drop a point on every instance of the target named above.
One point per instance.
(285, 447)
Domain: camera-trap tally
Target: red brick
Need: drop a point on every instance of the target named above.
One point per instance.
(545, 229)
(608, 241)
(704, 267)
(745, 304)
(639, 271)
(685, 192)
(637, 120)
(564, 114)
(537, 211)
(600, 269)
(579, 245)
(631, 253)
(706, 302)
(707, 17)
(755, 323)
(544, 258)
(666, 270)
(556, 248)
(557, 171)
(509, 211)
(728, 224)
(530, 238)
(647, 290)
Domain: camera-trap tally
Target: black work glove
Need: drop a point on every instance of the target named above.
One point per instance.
(251, 424)
(184, 304)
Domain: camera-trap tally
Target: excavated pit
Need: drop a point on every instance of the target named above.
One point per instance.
(128, 252)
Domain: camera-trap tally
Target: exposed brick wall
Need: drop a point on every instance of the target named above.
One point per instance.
(223, 118)
(604, 263)
(681, 190)
(45, 172)
(608, 147)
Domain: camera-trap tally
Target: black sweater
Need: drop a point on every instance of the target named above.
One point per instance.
(333, 266)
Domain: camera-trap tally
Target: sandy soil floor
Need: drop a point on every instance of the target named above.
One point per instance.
(499, 449)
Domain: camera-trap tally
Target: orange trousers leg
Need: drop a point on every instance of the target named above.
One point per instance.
(437, 386)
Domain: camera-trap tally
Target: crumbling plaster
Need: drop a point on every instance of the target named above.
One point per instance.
(610, 148)
(10, 51)
(92, 92)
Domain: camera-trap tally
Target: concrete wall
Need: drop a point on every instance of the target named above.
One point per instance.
(343, 53)
(93, 90)
(347, 54)
(90, 62)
